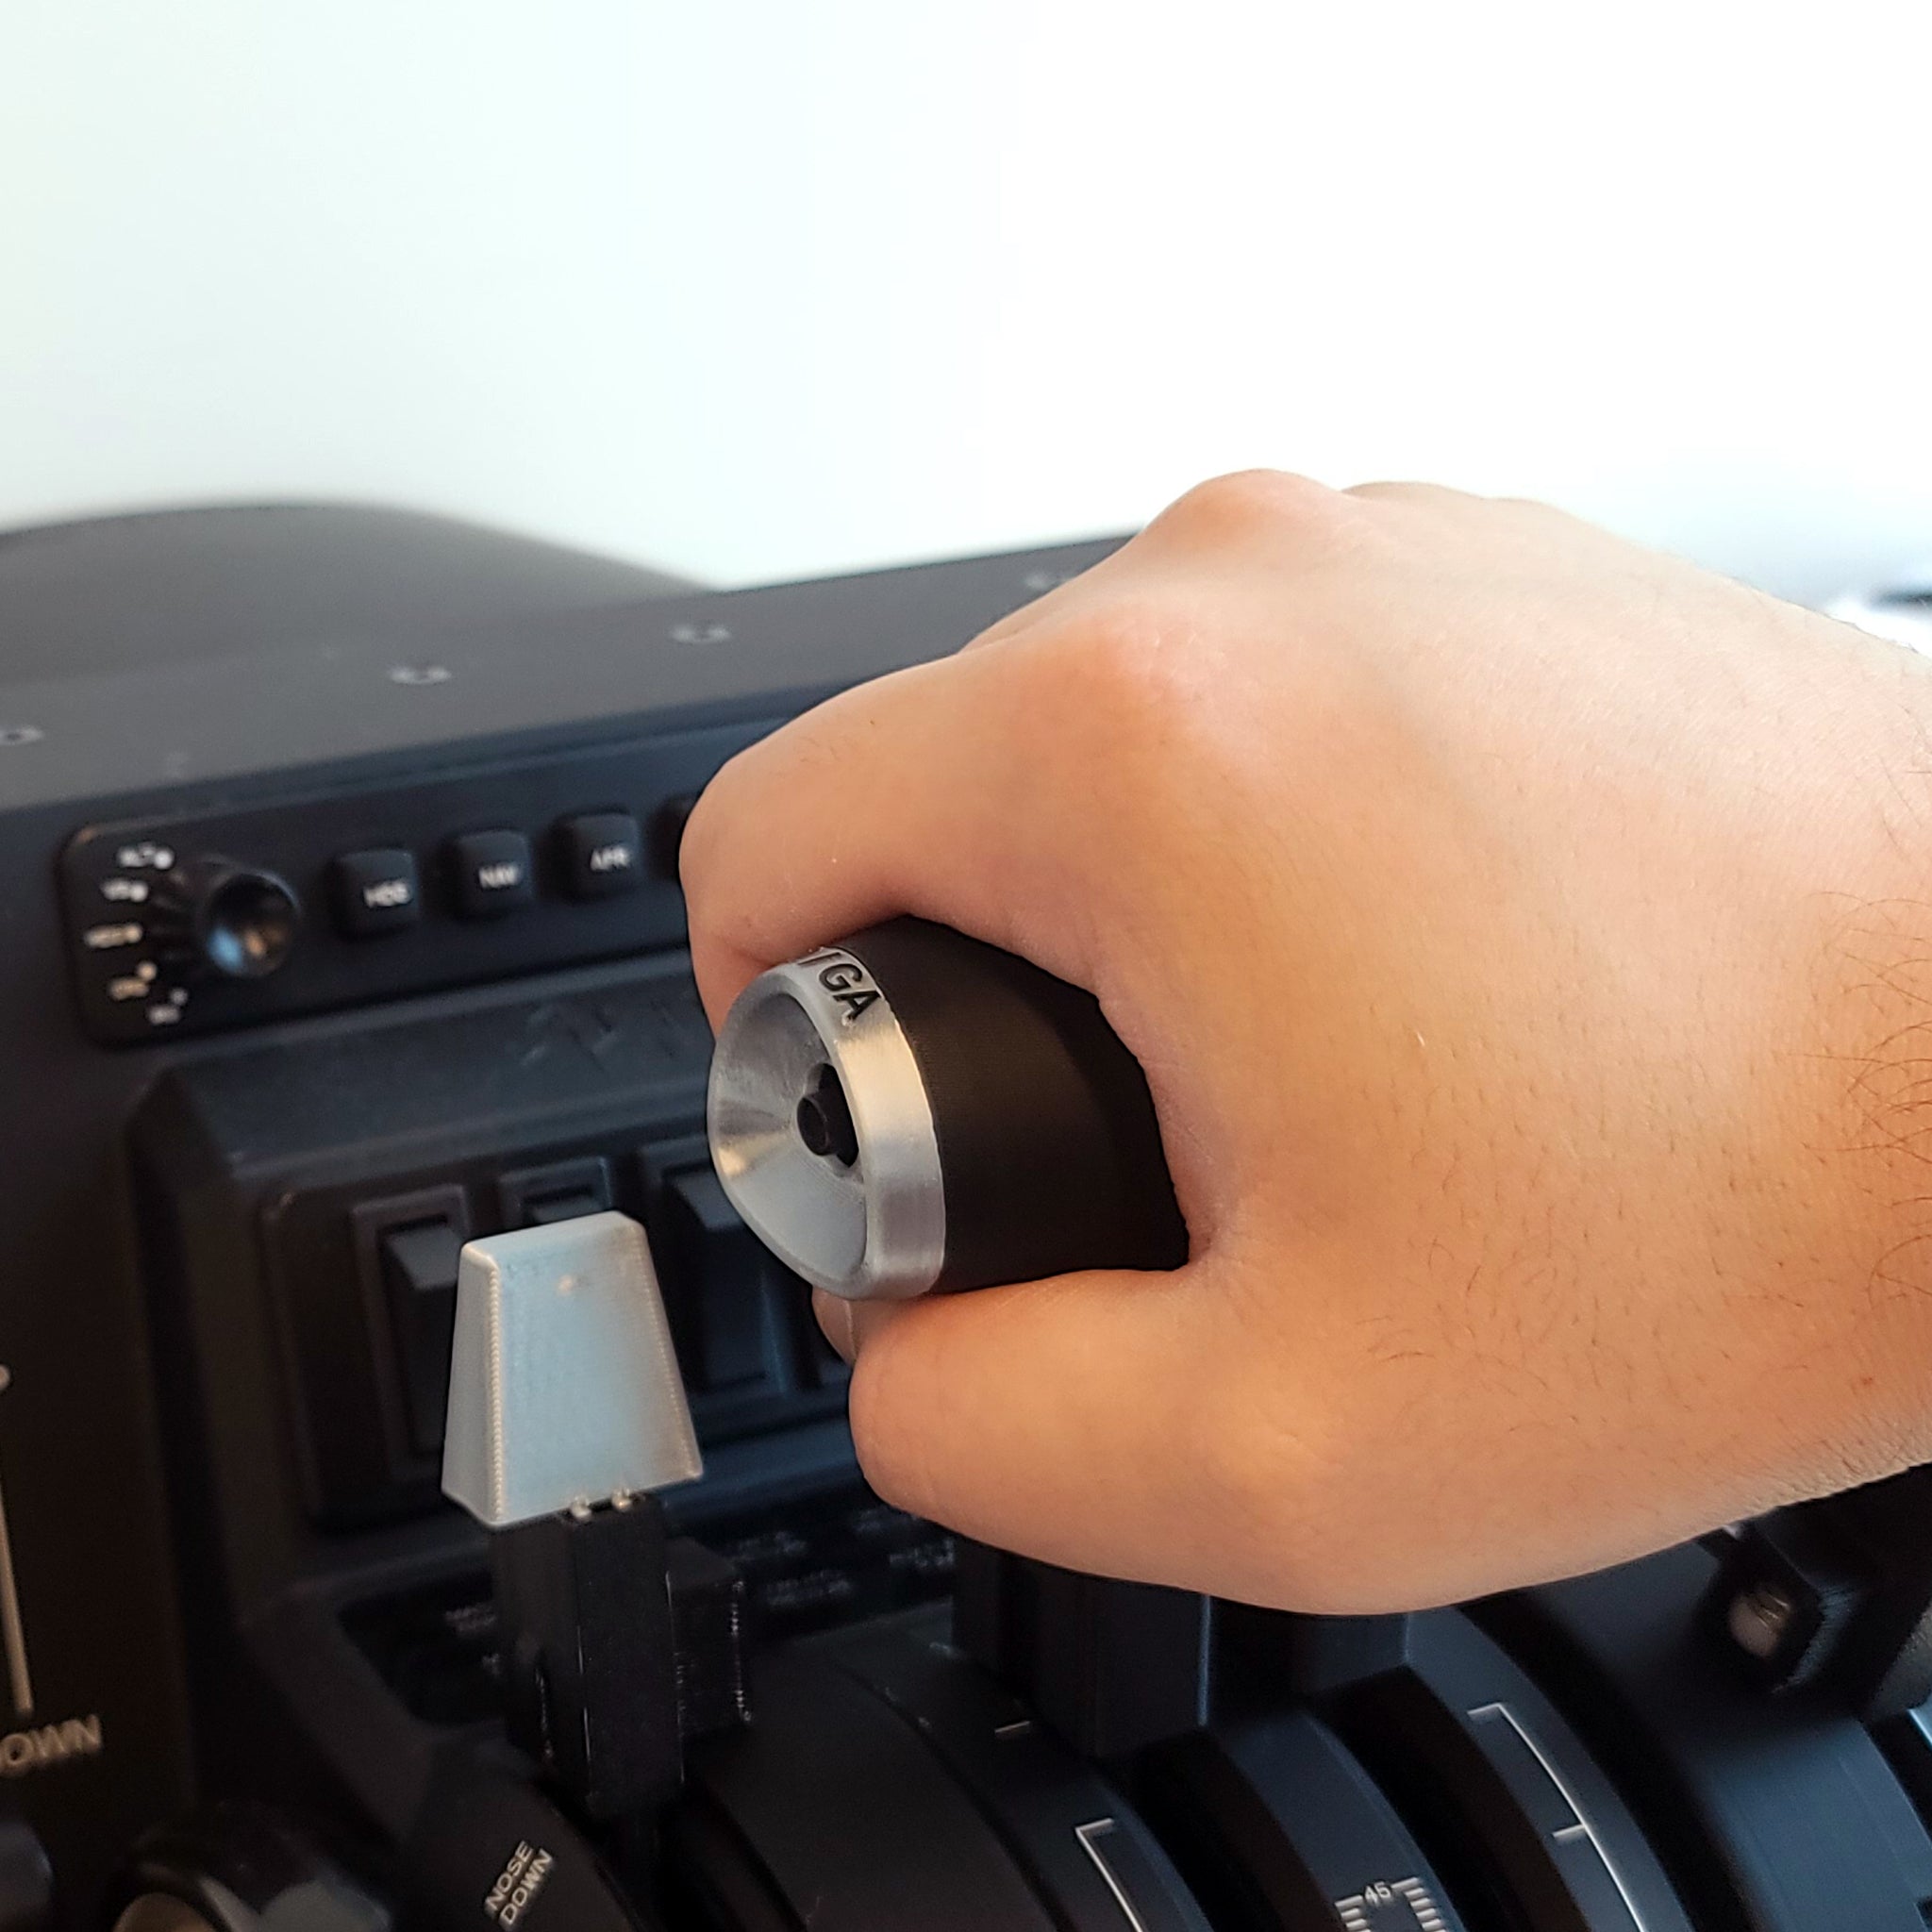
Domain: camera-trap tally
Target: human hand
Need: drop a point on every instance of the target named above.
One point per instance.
(1524, 938)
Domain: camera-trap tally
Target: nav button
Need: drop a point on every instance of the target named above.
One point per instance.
(492, 872)
(603, 854)
(376, 892)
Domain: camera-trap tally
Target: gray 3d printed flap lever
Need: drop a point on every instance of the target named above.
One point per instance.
(563, 1386)
(566, 1412)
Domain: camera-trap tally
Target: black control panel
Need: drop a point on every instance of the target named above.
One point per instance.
(186, 924)
(337, 870)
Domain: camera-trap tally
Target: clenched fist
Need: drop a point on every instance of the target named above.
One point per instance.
(1527, 939)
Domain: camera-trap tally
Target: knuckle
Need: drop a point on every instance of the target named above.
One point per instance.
(1120, 691)
(1250, 506)
(1404, 490)
(1124, 655)
(1141, 710)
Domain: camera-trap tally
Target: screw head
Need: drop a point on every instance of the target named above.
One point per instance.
(1760, 1618)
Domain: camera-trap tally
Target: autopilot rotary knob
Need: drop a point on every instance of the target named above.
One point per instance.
(215, 915)
(243, 1867)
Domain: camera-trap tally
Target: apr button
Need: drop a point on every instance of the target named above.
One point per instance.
(603, 854)
(492, 871)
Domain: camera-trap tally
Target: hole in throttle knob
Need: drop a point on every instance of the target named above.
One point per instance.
(824, 1120)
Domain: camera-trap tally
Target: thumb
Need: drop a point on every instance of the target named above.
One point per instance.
(1061, 1419)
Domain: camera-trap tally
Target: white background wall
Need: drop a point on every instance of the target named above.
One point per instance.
(766, 289)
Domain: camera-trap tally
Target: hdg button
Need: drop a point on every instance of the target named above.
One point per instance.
(376, 891)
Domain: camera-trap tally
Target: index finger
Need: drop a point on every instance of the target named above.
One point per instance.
(926, 792)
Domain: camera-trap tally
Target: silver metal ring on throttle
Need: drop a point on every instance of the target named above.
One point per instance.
(822, 1130)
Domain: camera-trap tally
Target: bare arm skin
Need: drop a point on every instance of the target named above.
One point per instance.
(1526, 940)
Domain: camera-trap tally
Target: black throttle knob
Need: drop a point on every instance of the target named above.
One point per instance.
(914, 1109)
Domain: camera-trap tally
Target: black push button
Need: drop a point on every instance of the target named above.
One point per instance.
(492, 872)
(563, 1190)
(419, 1270)
(603, 855)
(719, 1286)
(376, 891)
(667, 833)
